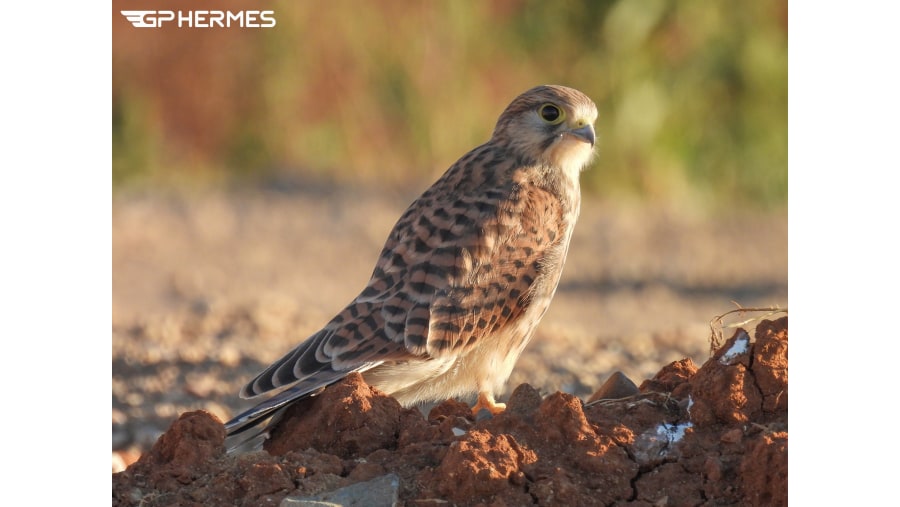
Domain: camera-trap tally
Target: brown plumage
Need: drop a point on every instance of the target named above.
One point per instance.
(465, 275)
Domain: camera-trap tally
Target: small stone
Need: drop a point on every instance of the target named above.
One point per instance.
(524, 401)
(379, 492)
(616, 386)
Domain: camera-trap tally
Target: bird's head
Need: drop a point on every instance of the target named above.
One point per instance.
(552, 125)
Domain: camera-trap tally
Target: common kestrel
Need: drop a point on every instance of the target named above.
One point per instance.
(465, 275)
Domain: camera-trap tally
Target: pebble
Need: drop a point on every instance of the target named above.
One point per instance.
(617, 386)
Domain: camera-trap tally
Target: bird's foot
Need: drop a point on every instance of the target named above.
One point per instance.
(486, 401)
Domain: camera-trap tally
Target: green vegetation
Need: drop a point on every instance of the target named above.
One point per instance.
(692, 94)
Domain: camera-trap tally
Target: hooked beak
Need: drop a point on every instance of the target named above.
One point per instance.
(585, 133)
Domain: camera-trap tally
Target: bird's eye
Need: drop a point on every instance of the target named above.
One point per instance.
(551, 114)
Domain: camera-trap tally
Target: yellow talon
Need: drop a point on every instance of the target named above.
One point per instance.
(486, 401)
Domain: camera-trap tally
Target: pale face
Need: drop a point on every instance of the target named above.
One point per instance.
(554, 127)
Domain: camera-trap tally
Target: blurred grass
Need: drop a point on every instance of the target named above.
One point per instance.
(692, 94)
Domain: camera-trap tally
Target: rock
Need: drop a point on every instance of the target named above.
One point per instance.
(617, 386)
(379, 492)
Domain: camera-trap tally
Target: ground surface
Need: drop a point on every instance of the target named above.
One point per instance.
(208, 290)
(716, 435)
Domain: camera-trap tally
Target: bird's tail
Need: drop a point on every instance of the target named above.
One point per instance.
(248, 430)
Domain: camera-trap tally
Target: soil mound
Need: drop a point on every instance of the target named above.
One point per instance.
(709, 436)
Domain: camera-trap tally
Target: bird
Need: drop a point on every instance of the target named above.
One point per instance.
(464, 277)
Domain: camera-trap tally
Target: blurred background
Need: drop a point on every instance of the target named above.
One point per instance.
(692, 94)
(257, 172)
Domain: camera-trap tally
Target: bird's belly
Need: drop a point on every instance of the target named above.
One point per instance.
(484, 368)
